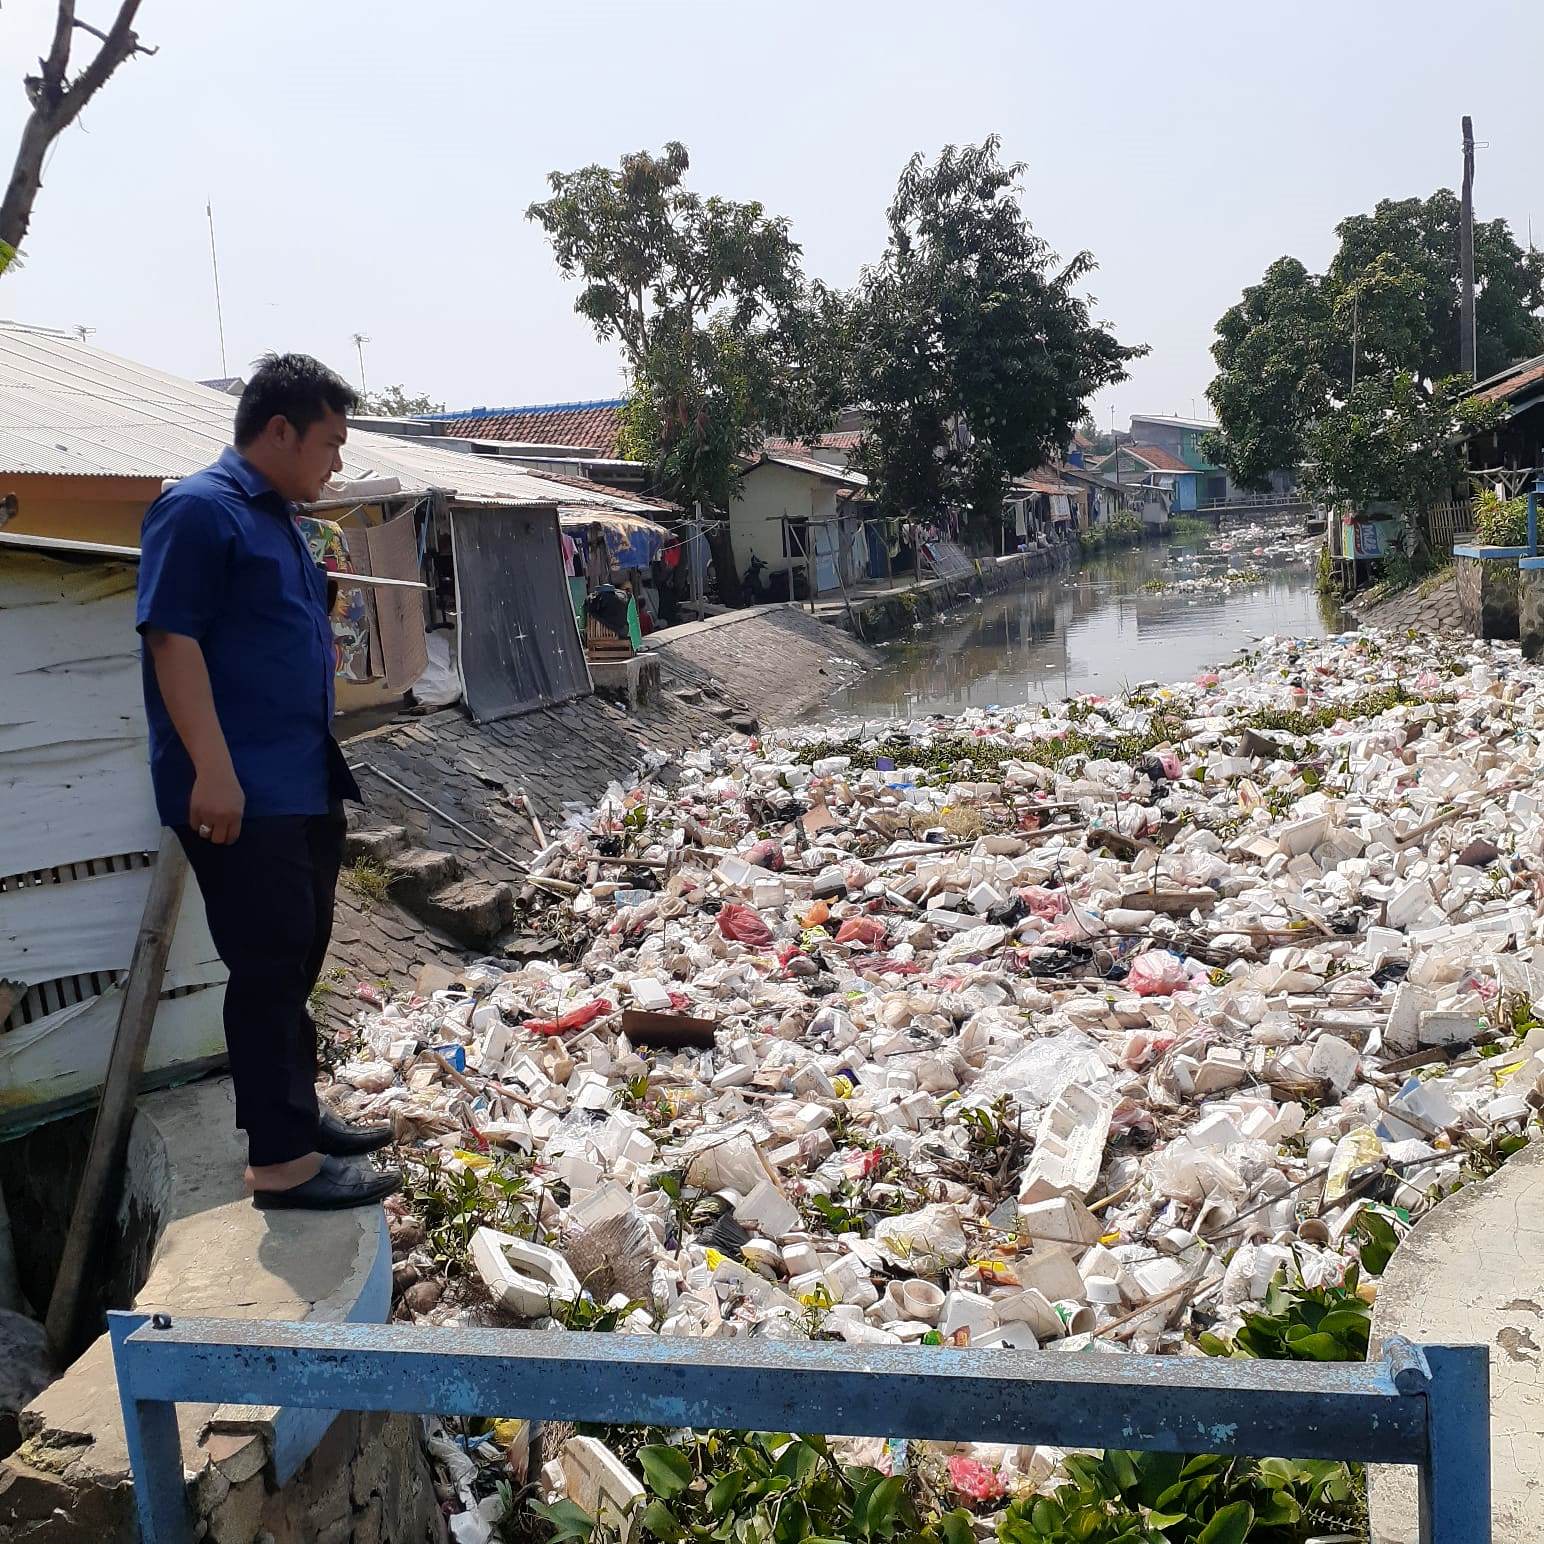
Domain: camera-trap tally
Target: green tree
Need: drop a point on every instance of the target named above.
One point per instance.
(706, 296)
(395, 402)
(1385, 314)
(971, 349)
(56, 100)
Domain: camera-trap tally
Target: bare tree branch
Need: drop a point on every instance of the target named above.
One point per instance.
(56, 104)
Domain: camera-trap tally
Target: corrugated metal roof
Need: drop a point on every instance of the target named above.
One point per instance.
(70, 410)
(1173, 422)
(805, 463)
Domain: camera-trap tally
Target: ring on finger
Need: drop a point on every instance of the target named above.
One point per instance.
(206, 832)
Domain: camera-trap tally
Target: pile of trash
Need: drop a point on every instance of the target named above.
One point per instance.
(1281, 542)
(1069, 1028)
(1206, 584)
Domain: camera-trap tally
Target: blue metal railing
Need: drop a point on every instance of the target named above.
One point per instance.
(1422, 1405)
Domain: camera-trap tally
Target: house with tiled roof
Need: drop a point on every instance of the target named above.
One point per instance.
(583, 428)
(1512, 450)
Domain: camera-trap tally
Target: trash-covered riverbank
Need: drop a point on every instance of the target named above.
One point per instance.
(1112, 1026)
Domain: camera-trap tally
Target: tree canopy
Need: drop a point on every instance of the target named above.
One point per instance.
(971, 349)
(1386, 314)
(706, 296)
(968, 343)
(395, 402)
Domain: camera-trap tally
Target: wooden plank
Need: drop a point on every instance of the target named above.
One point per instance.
(84, 925)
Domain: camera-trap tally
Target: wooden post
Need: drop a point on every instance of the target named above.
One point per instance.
(101, 1183)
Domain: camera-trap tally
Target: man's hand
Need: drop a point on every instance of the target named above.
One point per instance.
(215, 809)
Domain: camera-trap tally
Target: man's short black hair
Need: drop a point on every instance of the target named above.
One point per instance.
(292, 386)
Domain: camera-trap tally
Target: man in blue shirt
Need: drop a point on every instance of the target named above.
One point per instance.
(238, 668)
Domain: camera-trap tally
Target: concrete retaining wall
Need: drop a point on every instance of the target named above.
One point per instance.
(877, 617)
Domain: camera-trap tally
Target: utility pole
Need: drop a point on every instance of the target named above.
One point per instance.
(214, 262)
(359, 340)
(1466, 341)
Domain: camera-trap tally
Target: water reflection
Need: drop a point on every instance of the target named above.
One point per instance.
(1096, 629)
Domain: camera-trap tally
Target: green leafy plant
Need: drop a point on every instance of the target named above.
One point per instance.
(769, 1488)
(1377, 1239)
(833, 1212)
(757, 1488)
(1500, 522)
(1297, 1323)
(1167, 1498)
(453, 1204)
(584, 1313)
(992, 1130)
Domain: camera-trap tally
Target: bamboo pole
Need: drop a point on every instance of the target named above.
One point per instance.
(102, 1181)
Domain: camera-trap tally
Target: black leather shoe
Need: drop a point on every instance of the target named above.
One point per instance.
(335, 1186)
(337, 1139)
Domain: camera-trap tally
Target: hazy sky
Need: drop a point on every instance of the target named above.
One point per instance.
(370, 161)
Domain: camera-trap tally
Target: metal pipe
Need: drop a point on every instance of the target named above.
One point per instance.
(562, 886)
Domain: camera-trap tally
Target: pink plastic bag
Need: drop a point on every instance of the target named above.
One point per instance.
(861, 930)
(744, 925)
(1157, 974)
(1043, 903)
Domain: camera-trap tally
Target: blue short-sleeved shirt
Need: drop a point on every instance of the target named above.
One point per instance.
(222, 561)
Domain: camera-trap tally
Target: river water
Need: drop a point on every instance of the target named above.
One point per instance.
(1125, 617)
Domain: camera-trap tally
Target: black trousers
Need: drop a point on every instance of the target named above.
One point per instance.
(269, 898)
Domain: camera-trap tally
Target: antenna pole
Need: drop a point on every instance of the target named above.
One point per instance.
(214, 262)
(359, 341)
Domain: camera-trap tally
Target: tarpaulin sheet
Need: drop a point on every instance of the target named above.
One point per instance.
(518, 643)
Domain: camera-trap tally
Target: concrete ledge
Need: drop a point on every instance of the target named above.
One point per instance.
(1490, 554)
(667, 635)
(218, 1255)
(633, 681)
(1472, 1272)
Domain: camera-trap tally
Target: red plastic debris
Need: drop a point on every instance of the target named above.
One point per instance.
(744, 925)
(575, 1018)
(861, 930)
